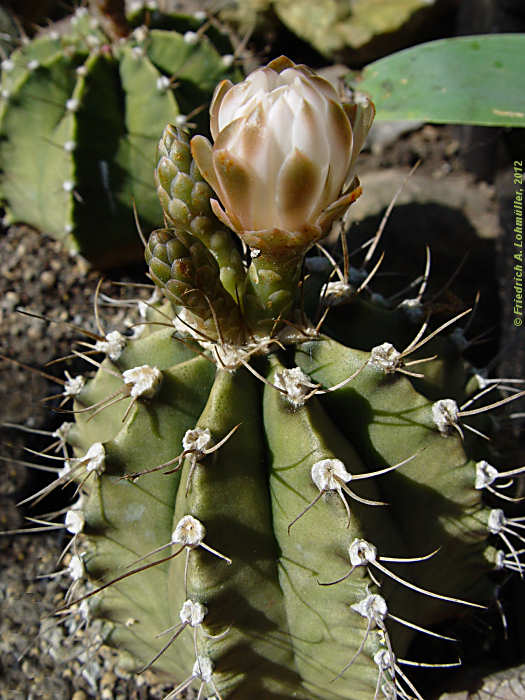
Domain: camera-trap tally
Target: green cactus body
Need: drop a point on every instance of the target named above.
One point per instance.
(285, 507)
(80, 118)
(271, 629)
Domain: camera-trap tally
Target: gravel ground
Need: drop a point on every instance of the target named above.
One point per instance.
(41, 656)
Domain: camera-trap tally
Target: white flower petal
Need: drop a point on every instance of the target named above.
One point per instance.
(283, 150)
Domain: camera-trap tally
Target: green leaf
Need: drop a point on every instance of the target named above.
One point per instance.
(464, 80)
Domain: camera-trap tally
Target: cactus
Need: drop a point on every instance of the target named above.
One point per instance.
(352, 33)
(271, 506)
(80, 116)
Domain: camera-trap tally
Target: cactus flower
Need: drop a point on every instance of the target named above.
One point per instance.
(282, 161)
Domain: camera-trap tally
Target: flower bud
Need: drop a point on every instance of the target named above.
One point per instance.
(283, 155)
(188, 274)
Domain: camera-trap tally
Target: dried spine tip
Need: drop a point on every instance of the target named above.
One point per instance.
(95, 459)
(386, 358)
(74, 521)
(486, 475)
(497, 521)
(362, 552)
(73, 385)
(192, 613)
(335, 293)
(197, 440)
(328, 473)
(295, 384)
(113, 345)
(76, 567)
(373, 608)
(144, 381)
(189, 532)
(203, 668)
(445, 414)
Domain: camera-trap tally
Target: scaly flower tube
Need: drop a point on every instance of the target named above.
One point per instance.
(282, 161)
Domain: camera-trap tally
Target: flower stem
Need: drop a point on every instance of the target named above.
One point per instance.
(271, 289)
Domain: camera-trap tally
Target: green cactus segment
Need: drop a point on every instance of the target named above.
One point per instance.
(34, 177)
(431, 498)
(463, 80)
(196, 63)
(271, 534)
(41, 50)
(80, 119)
(272, 286)
(326, 632)
(160, 344)
(108, 383)
(185, 199)
(105, 425)
(183, 267)
(354, 32)
(147, 107)
(255, 657)
(125, 521)
(98, 181)
(376, 324)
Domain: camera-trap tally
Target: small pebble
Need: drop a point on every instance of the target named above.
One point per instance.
(79, 695)
(48, 279)
(107, 684)
(34, 333)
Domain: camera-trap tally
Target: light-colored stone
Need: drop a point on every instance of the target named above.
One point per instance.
(79, 695)
(362, 29)
(455, 191)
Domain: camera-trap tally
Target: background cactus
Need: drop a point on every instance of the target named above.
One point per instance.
(80, 115)
(235, 461)
(353, 33)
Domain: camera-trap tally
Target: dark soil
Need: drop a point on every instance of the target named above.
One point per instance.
(42, 657)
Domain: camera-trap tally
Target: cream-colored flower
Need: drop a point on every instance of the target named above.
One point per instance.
(283, 155)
